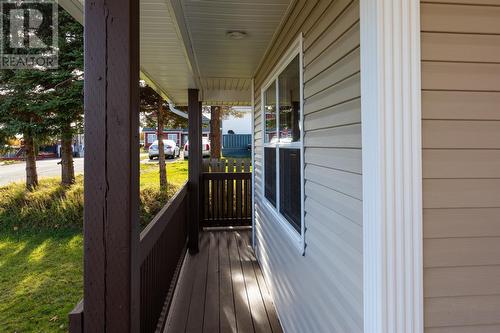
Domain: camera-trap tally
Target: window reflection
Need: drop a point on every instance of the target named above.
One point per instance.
(270, 113)
(289, 102)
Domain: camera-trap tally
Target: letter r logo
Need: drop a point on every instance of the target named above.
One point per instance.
(29, 34)
(24, 24)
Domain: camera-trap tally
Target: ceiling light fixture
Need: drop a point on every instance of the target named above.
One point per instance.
(236, 34)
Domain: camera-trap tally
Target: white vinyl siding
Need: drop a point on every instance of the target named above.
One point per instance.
(321, 291)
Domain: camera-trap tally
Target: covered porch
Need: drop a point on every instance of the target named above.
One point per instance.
(176, 275)
(222, 289)
(219, 289)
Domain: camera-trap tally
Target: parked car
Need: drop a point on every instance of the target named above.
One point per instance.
(169, 147)
(205, 148)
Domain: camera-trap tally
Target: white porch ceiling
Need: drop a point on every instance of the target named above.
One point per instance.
(184, 44)
(225, 65)
(164, 58)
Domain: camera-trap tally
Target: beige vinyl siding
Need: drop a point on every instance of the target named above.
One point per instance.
(461, 165)
(321, 291)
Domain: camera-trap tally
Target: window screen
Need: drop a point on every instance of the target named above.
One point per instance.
(290, 191)
(270, 174)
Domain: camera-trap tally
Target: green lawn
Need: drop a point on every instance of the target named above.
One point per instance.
(151, 198)
(176, 173)
(40, 279)
(41, 247)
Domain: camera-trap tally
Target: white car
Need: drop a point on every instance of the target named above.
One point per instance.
(205, 148)
(169, 147)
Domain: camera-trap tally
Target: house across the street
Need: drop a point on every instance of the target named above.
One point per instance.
(179, 135)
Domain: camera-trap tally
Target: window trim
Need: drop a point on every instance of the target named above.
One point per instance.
(297, 239)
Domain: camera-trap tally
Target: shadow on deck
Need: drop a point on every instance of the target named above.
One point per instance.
(222, 289)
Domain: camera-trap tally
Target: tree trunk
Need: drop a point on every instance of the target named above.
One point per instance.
(215, 132)
(31, 174)
(67, 166)
(161, 149)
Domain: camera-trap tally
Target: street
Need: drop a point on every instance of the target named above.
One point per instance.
(46, 168)
(49, 168)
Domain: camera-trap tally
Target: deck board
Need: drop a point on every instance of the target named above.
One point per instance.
(198, 295)
(211, 316)
(227, 314)
(241, 304)
(178, 315)
(266, 296)
(222, 289)
(257, 308)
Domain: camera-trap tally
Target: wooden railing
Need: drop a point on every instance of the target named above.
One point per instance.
(76, 318)
(162, 249)
(226, 193)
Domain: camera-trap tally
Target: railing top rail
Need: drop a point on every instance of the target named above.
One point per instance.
(226, 165)
(153, 230)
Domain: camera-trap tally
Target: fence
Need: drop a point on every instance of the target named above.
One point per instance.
(236, 145)
(226, 193)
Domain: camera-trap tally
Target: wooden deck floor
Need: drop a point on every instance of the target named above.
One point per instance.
(222, 289)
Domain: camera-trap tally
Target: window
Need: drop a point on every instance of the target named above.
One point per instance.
(151, 137)
(172, 137)
(283, 149)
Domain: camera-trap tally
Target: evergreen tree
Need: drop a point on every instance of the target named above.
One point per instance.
(66, 98)
(41, 103)
(23, 111)
(23, 98)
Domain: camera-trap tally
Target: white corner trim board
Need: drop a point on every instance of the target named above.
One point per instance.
(392, 180)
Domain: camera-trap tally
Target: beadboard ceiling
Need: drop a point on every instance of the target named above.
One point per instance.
(184, 44)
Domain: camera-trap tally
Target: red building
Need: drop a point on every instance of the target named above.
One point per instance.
(179, 135)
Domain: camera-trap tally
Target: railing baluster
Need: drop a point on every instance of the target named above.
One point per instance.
(238, 192)
(230, 191)
(221, 198)
(206, 202)
(214, 198)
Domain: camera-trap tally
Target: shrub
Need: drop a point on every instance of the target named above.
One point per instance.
(49, 206)
(52, 206)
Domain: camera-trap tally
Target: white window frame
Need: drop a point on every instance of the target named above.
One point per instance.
(296, 238)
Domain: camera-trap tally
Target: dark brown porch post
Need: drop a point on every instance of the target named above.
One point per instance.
(111, 226)
(194, 168)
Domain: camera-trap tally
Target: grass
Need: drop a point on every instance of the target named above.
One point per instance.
(176, 173)
(152, 200)
(52, 206)
(41, 247)
(40, 279)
